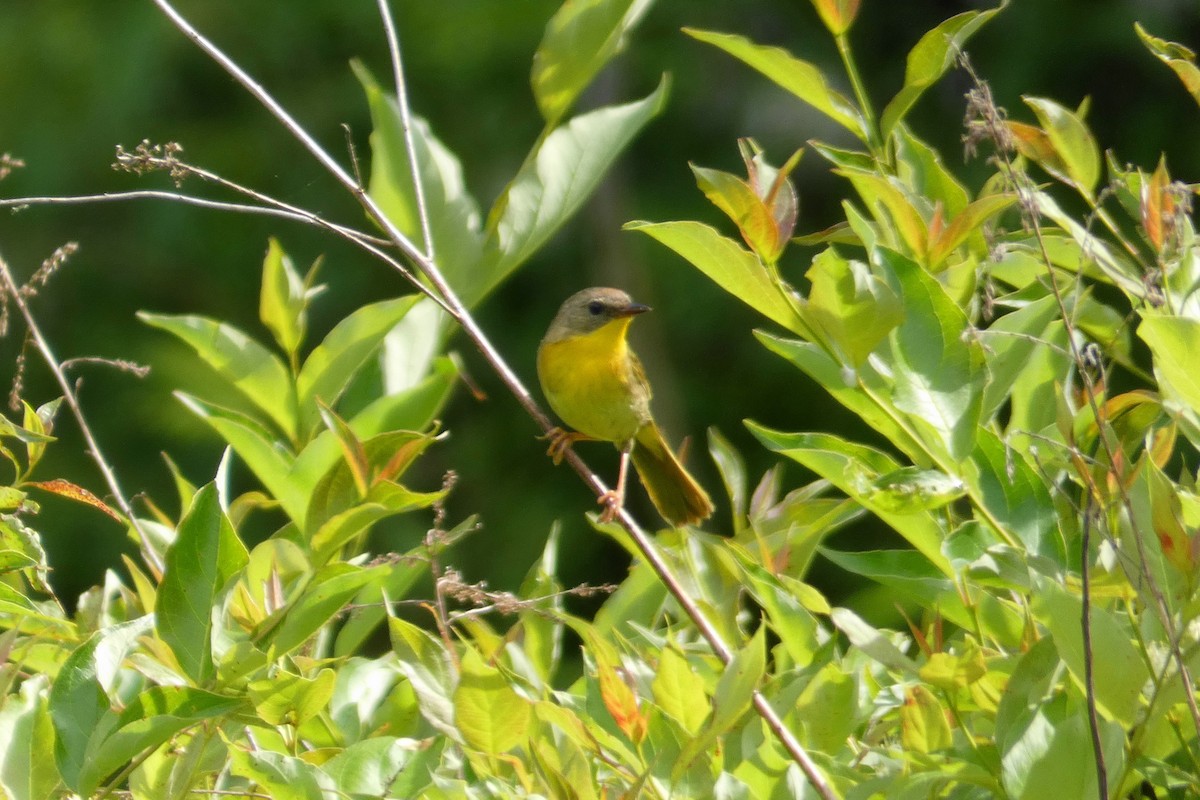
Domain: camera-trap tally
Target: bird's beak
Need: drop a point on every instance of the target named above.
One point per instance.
(632, 309)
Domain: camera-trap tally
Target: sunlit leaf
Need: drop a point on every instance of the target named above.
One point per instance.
(329, 368)
(241, 361)
(730, 266)
(940, 371)
(493, 718)
(929, 60)
(801, 78)
(1072, 141)
(206, 553)
(581, 37)
(454, 218)
(1179, 58)
(923, 725)
(555, 180)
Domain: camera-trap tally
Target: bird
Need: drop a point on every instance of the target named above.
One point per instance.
(596, 385)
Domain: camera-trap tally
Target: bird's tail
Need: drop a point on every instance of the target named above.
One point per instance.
(675, 493)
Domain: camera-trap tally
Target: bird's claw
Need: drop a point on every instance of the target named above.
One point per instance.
(612, 503)
(560, 442)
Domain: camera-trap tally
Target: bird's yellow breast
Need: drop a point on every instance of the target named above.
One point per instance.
(592, 383)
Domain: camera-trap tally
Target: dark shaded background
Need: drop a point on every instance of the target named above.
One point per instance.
(78, 77)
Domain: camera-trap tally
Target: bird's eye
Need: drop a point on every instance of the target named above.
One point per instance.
(595, 307)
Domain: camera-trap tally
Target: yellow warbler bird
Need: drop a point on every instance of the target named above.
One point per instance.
(596, 384)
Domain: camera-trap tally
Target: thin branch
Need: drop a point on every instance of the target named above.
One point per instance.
(643, 541)
(393, 40)
(68, 390)
(1089, 656)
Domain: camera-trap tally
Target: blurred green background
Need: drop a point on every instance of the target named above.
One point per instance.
(79, 77)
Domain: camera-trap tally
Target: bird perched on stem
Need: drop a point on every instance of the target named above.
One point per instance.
(595, 383)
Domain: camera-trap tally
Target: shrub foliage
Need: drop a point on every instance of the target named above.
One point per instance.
(1023, 347)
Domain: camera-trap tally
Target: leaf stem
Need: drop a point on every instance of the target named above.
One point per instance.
(860, 94)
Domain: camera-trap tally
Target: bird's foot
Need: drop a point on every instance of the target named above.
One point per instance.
(612, 502)
(560, 442)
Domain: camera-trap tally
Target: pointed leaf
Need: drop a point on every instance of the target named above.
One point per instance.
(929, 60)
(581, 37)
(283, 302)
(1179, 58)
(553, 183)
(331, 365)
(801, 78)
(939, 371)
(205, 555)
(1072, 141)
(255, 445)
(492, 717)
(454, 219)
(732, 267)
(248, 366)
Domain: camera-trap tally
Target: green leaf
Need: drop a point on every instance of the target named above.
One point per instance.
(733, 473)
(77, 703)
(1008, 345)
(283, 301)
(333, 363)
(923, 725)
(732, 267)
(424, 661)
(920, 167)
(454, 219)
(248, 366)
(847, 389)
(205, 555)
(287, 698)
(967, 224)
(1179, 58)
(541, 624)
(855, 309)
(827, 709)
(27, 772)
(368, 768)
(911, 489)
(731, 698)
(153, 717)
(581, 37)
(929, 60)
(561, 173)
(939, 371)
(1054, 757)
(491, 716)
(801, 78)
(892, 205)
(348, 483)
(321, 601)
(281, 777)
(871, 641)
(1072, 141)
(679, 691)
(909, 575)
(1174, 342)
(853, 468)
(410, 410)
(257, 447)
(1015, 495)
(1118, 669)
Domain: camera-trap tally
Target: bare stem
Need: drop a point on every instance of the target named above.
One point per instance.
(1089, 678)
(68, 390)
(393, 40)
